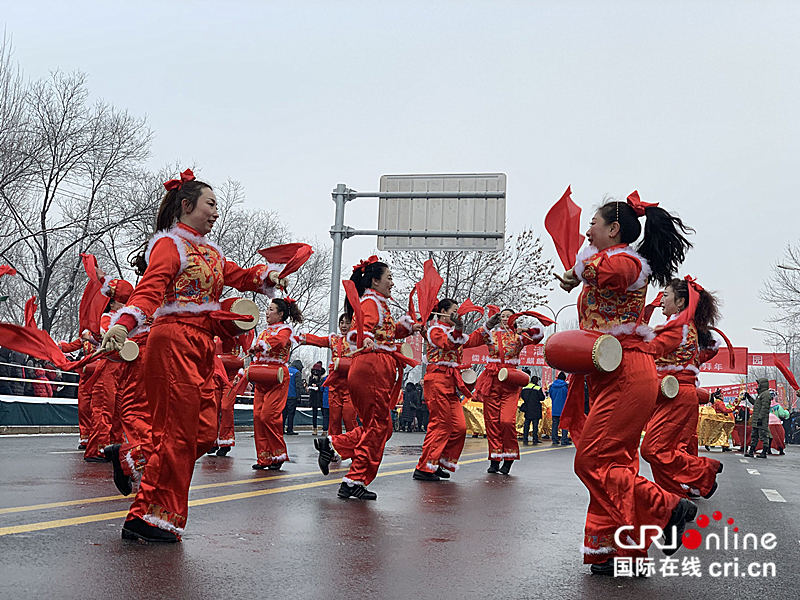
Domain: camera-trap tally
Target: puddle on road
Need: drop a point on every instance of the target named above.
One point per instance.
(403, 451)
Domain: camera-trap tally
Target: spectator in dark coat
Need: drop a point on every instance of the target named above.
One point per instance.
(5, 372)
(18, 372)
(558, 395)
(409, 407)
(295, 387)
(315, 392)
(532, 398)
(423, 414)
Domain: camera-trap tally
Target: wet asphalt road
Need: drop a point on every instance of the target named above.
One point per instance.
(286, 535)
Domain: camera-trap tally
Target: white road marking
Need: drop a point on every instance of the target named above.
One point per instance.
(68, 452)
(744, 460)
(773, 496)
(753, 471)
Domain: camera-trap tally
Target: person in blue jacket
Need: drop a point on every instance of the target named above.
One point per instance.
(295, 387)
(558, 395)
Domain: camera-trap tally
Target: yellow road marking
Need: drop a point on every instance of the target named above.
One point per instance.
(215, 499)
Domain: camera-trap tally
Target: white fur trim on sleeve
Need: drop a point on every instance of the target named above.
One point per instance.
(135, 312)
(105, 289)
(406, 322)
(580, 261)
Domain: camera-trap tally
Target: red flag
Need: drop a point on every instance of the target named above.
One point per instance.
(650, 308)
(786, 373)
(427, 290)
(355, 301)
(30, 313)
(292, 256)
(467, 307)
(546, 321)
(6, 270)
(33, 342)
(492, 310)
(563, 223)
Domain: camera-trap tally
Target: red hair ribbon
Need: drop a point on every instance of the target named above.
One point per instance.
(637, 205)
(362, 266)
(289, 300)
(176, 184)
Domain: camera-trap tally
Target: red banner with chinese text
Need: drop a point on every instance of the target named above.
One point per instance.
(721, 363)
(531, 356)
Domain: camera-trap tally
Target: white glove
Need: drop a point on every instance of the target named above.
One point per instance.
(273, 277)
(114, 338)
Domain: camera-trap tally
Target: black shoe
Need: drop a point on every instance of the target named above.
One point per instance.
(761, 454)
(95, 459)
(556, 443)
(443, 473)
(506, 466)
(683, 513)
(494, 467)
(292, 433)
(726, 449)
(356, 491)
(525, 442)
(123, 482)
(567, 443)
(534, 442)
(781, 452)
(213, 450)
(137, 529)
(707, 448)
(259, 467)
(424, 476)
(81, 446)
(719, 469)
(323, 446)
(275, 466)
(223, 451)
(475, 435)
(749, 454)
(606, 568)
(713, 489)
(545, 437)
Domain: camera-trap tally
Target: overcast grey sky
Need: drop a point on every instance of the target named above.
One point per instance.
(692, 103)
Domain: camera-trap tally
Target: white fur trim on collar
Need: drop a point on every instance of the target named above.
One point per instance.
(448, 331)
(644, 273)
(380, 302)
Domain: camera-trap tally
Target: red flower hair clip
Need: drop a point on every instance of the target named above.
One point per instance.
(176, 184)
(362, 266)
(637, 205)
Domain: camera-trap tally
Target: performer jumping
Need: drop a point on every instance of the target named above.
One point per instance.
(664, 447)
(447, 427)
(501, 398)
(374, 380)
(273, 347)
(340, 405)
(615, 278)
(183, 277)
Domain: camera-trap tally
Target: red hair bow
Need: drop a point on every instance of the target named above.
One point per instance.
(693, 282)
(289, 300)
(176, 184)
(637, 205)
(362, 266)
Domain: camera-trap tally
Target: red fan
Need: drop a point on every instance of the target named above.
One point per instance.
(546, 321)
(291, 256)
(6, 270)
(30, 313)
(427, 290)
(467, 307)
(563, 223)
(355, 301)
(786, 373)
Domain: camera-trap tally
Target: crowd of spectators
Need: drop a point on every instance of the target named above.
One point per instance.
(22, 375)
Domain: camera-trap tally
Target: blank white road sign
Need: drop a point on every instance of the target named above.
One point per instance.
(442, 214)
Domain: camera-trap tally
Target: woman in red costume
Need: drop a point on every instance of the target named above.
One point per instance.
(615, 278)
(228, 366)
(373, 379)
(340, 405)
(106, 392)
(273, 347)
(501, 398)
(183, 277)
(88, 344)
(665, 446)
(446, 429)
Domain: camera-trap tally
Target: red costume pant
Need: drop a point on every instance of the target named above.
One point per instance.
(340, 407)
(179, 379)
(268, 405)
(607, 459)
(84, 408)
(447, 428)
(664, 446)
(104, 402)
(135, 414)
(370, 379)
(225, 436)
(500, 402)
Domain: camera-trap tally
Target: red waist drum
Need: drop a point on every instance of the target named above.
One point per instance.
(703, 396)
(514, 377)
(670, 386)
(470, 378)
(241, 306)
(342, 365)
(270, 374)
(231, 363)
(583, 351)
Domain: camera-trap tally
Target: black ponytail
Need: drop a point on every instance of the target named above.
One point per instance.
(288, 310)
(663, 245)
(169, 212)
(363, 281)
